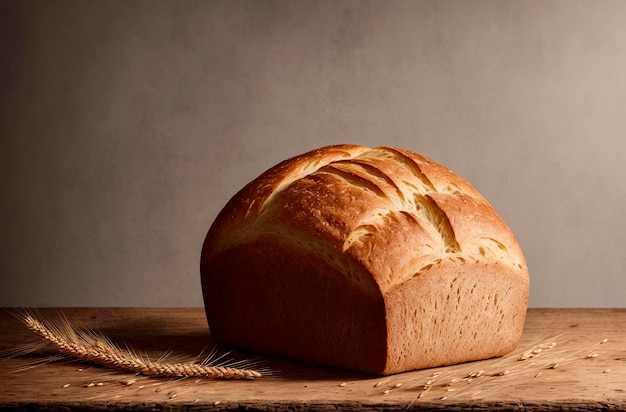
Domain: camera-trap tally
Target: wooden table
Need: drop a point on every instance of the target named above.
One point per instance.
(581, 372)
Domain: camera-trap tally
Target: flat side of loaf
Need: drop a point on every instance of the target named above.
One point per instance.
(457, 313)
(387, 228)
(276, 297)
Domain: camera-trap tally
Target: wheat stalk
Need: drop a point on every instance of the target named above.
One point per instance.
(95, 347)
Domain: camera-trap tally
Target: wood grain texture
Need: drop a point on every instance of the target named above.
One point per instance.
(578, 383)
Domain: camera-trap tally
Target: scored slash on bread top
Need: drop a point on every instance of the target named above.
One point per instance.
(394, 213)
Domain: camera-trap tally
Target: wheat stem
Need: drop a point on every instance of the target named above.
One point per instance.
(97, 348)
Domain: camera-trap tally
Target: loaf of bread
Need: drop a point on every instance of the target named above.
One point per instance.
(375, 260)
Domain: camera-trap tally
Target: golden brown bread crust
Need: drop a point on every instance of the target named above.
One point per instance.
(377, 260)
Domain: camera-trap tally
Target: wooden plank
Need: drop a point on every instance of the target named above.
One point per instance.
(578, 382)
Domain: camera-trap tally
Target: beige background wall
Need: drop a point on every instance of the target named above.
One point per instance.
(126, 126)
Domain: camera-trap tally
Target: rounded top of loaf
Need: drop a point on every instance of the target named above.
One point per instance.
(383, 215)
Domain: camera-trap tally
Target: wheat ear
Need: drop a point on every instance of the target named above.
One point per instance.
(97, 348)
